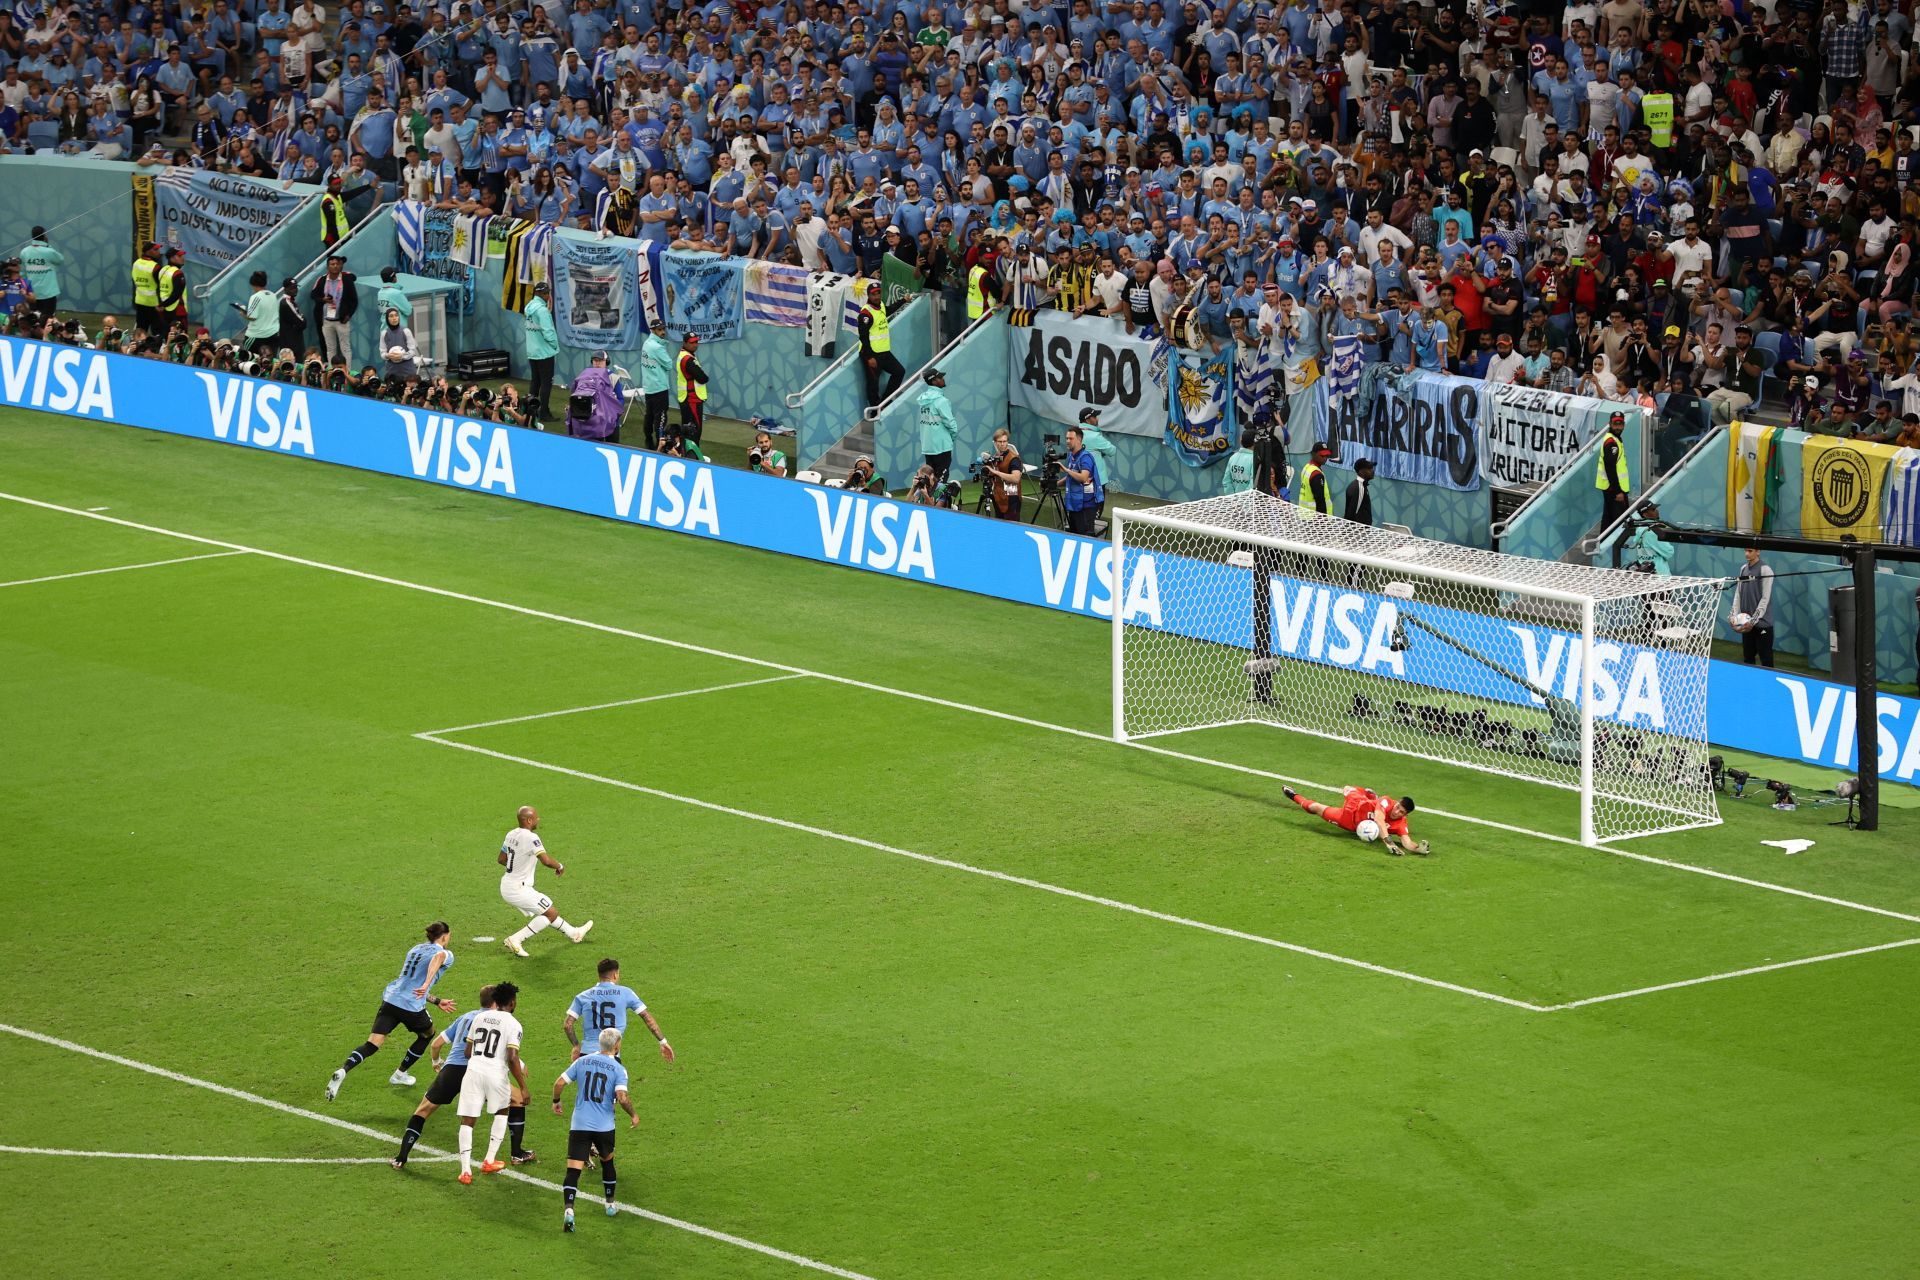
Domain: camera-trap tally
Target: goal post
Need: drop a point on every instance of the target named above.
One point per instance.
(1243, 610)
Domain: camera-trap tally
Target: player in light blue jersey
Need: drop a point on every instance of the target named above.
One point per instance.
(449, 1072)
(599, 1082)
(607, 1004)
(404, 1004)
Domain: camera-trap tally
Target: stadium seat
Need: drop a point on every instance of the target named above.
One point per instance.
(1767, 360)
(44, 134)
(809, 477)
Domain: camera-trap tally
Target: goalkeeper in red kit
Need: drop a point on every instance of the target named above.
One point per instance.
(1361, 803)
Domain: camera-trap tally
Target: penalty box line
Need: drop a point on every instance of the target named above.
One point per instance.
(169, 1156)
(679, 1224)
(987, 872)
(1009, 717)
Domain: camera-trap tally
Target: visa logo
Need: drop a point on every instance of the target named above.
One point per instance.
(1316, 624)
(1078, 574)
(1826, 732)
(41, 377)
(651, 488)
(867, 533)
(265, 415)
(1636, 701)
(448, 449)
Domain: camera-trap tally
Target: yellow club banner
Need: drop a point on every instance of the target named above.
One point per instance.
(1840, 485)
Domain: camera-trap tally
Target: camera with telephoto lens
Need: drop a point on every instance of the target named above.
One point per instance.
(977, 469)
(1782, 793)
(755, 456)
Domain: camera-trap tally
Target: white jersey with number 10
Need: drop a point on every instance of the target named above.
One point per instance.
(522, 848)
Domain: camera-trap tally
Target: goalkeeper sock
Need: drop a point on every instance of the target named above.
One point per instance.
(1302, 801)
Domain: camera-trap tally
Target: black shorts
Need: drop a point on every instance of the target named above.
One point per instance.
(446, 1085)
(581, 1142)
(418, 1021)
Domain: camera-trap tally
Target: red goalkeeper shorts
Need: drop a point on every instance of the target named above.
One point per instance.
(1357, 808)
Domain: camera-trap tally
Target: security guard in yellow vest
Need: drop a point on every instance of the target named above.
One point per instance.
(690, 387)
(978, 304)
(172, 305)
(333, 215)
(876, 348)
(1610, 471)
(146, 289)
(1316, 496)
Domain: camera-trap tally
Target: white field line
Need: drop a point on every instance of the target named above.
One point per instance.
(624, 702)
(929, 699)
(1736, 973)
(679, 1224)
(159, 1155)
(121, 568)
(1002, 876)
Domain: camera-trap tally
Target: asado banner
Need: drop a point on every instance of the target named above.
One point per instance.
(1532, 434)
(704, 295)
(1200, 407)
(1061, 364)
(1423, 428)
(216, 217)
(596, 301)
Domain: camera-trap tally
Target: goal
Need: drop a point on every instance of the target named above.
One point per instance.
(1242, 610)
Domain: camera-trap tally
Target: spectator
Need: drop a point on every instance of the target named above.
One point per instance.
(543, 345)
(1004, 476)
(293, 322)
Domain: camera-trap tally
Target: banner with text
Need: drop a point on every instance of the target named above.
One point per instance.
(215, 217)
(704, 295)
(1422, 427)
(1749, 708)
(596, 300)
(437, 261)
(1532, 434)
(1061, 364)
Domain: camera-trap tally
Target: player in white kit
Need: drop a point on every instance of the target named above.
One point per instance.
(493, 1071)
(520, 853)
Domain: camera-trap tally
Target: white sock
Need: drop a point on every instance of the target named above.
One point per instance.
(534, 926)
(494, 1139)
(562, 926)
(466, 1148)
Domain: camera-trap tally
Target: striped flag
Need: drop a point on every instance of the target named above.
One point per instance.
(651, 283)
(410, 231)
(536, 255)
(776, 294)
(514, 291)
(1901, 510)
(1020, 317)
(470, 239)
(856, 299)
(1252, 378)
(1343, 370)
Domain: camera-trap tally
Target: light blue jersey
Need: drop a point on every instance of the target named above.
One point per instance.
(457, 1040)
(595, 1079)
(399, 992)
(603, 1005)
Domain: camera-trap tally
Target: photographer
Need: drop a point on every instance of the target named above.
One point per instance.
(597, 402)
(925, 491)
(1002, 466)
(766, 459)
(1084, 492)
(862, 479)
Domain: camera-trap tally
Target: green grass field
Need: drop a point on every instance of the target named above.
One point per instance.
(960, 988)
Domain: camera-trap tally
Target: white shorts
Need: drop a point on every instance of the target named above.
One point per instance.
(484, 1096)
(525, 899)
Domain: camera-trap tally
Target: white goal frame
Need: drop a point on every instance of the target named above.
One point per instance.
(1364, 546)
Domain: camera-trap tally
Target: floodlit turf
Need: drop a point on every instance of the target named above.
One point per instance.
(226, 830)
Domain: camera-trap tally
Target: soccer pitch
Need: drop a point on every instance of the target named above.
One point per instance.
(960, 988)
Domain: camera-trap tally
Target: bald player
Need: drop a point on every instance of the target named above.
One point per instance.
(520, 853)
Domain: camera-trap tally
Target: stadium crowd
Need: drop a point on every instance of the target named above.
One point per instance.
(1693, 203)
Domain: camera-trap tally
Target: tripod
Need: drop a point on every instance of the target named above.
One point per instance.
(1852, 820)
(1050, 495)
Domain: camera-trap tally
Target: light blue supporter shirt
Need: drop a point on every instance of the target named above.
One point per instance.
(595, 1077)
(603, 1005)
(413, 972)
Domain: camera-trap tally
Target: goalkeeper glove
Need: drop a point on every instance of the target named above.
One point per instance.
(1422, 847)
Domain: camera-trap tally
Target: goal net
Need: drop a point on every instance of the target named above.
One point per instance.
(1241, 610)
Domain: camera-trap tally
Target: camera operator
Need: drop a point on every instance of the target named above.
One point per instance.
(1002, 465)
(1083, 491)
(766, 459)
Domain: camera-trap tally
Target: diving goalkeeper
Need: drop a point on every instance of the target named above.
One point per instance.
(1361, 804)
